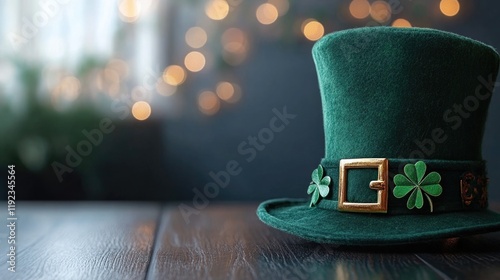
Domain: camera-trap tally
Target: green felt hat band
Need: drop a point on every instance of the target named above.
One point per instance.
(463, 186)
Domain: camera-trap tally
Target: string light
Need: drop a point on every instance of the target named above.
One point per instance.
(141, 110)
(267, 13)
(194, 61)
(225, 90)
(119, 66)
(229, 92)
(217, 9)
(208, 103)
(281, 5)
(235, 45)
(380, 11)
(196, 37)
(66, 92)
(174, 75)
(401, 22)
(129, 10)
(359, 9)
(109, 81)
(449, 7)
(312, 29)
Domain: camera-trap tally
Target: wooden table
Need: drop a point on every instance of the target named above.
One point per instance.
(116, 240)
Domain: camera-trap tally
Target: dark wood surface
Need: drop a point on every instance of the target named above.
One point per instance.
(116, 240)
(81, 240)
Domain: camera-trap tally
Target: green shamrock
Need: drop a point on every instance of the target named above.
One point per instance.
(415, 183)
(319, 185)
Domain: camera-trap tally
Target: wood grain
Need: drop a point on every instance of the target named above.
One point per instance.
(82, 240)
(466, 258)
(229, 242)
(115, 240)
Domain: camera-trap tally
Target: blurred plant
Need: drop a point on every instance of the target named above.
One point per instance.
(35, 132)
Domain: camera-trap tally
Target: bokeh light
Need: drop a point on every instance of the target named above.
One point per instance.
(66, 92)
(380, 11)
(401, 22)
(359, 9)
(208, 103)
(267, 13)
(120, 66)
(129, 10)
(141, 110)
(165, 89)
(229, 92)
(108, 81)
(217, 9)
(194, 61)
(174, 75)
(312, 29)
(225, 90)
(449, 7)
(281, 5)
(196, 37)
(235, 46)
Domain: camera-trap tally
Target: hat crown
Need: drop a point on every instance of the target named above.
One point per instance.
(404, 93)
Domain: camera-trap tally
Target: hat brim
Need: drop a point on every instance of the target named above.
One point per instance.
(294, 216)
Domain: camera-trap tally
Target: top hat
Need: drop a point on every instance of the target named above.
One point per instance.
(404, 111)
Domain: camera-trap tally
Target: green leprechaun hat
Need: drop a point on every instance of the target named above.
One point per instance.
(404, 112)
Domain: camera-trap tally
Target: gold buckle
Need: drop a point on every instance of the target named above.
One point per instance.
(381, 185)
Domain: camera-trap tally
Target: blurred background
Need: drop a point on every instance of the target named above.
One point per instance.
(154, 100)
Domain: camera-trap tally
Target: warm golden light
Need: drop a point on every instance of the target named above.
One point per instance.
(281, 5)
(67, 91)
(267, 13)
(234, 40)
(119, 66)
(208, 103)
(359, 9)
(235, 44)
(225, 90)
(312, 29)
(217, 9)
(401, 22)
(449, 7)
(109, 81)
(174, 75)
(129, 10)
(165, 89)
(194, 61)
(380, 11)
(71, 85)
(141, 110)
(229, 92)
(196, 37)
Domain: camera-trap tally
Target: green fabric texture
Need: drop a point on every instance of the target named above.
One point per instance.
(404, 94)
(383, 89)
(326, 226)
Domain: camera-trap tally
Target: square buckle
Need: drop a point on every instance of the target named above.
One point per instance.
(381, 185)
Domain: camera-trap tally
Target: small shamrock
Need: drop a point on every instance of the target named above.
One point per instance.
(319, 185)
(415, 183)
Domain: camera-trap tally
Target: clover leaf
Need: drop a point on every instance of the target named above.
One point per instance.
(419, 186)
(319, 185)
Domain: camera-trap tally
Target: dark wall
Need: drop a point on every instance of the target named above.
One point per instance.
(171, 158)
(278, 75)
